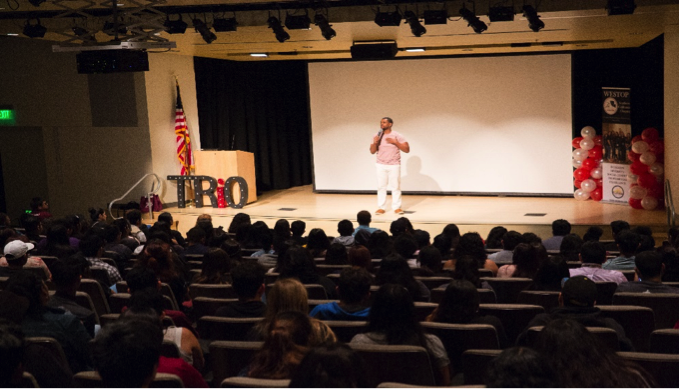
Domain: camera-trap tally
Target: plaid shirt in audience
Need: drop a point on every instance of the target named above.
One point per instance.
(97, 263)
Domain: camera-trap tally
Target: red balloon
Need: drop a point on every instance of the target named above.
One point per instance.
(595, 153)
(638, 168)
(656, 147)
(636, 138)
(635, 203)
(588, 164)
(656, 190)
(646, 180)
(576, 142)
(650, 134)
(596, 194)
(599, 183)
(597, 140)
(633, 156)
(583, 174)
(577, 184)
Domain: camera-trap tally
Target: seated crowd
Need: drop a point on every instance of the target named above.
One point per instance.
(381, 279)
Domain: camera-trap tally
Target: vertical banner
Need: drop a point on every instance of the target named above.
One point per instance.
(616, 135)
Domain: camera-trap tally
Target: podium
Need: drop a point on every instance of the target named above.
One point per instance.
(225, 164)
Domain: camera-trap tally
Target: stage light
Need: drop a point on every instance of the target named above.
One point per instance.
(36, 2)
(384, 19)
(82, 34)
(477, 25)
(275, 24)
(326, 30)
(178, 26)
(417, 29)
(110, 29)
(224, 25)
(435, 16)
(535, 23)
(501, 14)
(298, 22)
(620, 7)
(204, 30)
(34, 30)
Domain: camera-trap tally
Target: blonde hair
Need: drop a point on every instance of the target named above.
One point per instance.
(203, 218)
(286, 295)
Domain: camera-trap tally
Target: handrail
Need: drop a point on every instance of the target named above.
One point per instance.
(155, 187)
(671, 215)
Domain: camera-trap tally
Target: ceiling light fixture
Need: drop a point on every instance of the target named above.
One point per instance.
(275, 24)
(501, 14)
(477, 25)
(384, 19)
(298, 22)
(224, 25)
(435, 16)
(620, 7)
(178, 26)
(34, 30)
(417, 29)
(203, 29)
(326, 30)
(535, 23)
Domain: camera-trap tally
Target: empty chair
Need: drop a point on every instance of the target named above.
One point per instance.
(96, 292)
(247, 382)
(607, 336)
(206, 306)
(507, 289)
(212, 291)
(407, 364)
(664, 306)
(605, 292)
(475, 363)
(664, 341)
(547, 299)
(434, 282)
(460, 337)
(228, 358)
(515, 317)
(91, 379)
(225, 328)
(663, 367)
(637, 322)
(108, 318)
(118, 301)
(345, 330)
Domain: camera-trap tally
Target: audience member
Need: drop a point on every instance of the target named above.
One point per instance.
(97, 217)
(577, 302)
(467, 269)
(453, 232)
(16, 258)
(57, 242)
(430, 263)
(560, 228)
(531, 238)
(509, 241)
(167, 218)
(392, 320)
(616, 227)
(298, 263)
(406, 246)
(627, 242)
(581, 360)
(379, 244)
(40, 208)
(520, 367)
(248, 283)
(552, 271)
(157, 257)
(92, 247)
(395, 270)
(239, 220)
(364, 220)
(215, 269)
(443, 243)
(126, 237)
(33, 227)
(495, 238)
(571, 247)
(360, 257)
(134, 217)
(331, 366)
(593, 234)
(472, 244)
(526, 260)
(265, 239)
(11, 357)
(297, 229)
(354, 291)
(422, 238)
(346, 231)
(195, 242)
(66, 278)
(336, 255)
(592, 256)
(317, 243)
(649, 269)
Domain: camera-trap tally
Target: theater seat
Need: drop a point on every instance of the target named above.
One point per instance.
(607, 336)
(475, 363)
(663, 367)
(206, 306)
(460, 337)
(91, 379)
(637, 322)
(225, 328)
(247, 382)
(515, 317)
(96, 292)
(664, 306)
(228, 358)
(212, 291)
(407, 364)
(508, 289)
(664, 341)
(547, 299)
(345, 330)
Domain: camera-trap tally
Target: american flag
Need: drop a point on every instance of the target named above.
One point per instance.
(184, 154)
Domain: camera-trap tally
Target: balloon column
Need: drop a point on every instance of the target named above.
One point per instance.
(587, 157)
(646, 170)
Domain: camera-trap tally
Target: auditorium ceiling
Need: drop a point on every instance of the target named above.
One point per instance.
(569, 25)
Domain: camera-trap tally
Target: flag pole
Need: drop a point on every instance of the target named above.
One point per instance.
(191, 199)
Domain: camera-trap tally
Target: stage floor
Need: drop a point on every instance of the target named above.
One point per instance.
(430, 213)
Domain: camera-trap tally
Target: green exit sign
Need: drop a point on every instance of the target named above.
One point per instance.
(7, 116)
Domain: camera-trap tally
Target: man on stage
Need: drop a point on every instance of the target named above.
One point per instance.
(389, 144)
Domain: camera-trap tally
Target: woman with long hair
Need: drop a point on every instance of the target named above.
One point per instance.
(471, 244)
(581, 360)
(238, 220)
(526, 259)
(395, 270)
(493, 240)
(331, 366)
(298, 263)
(216, 268)
(379, 244)
(157, 256)
(551, 273)
(317, 242)
(359, 256)
(466, 269)
(392, 321)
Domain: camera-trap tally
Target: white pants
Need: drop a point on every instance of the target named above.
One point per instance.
(389, 176)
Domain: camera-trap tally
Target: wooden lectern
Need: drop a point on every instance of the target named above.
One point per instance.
(225, 164)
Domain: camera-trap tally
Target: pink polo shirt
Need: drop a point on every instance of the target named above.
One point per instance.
(389, 154)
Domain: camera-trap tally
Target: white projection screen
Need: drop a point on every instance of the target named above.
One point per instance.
(488, 125)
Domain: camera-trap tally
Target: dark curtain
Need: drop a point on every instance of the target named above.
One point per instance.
(640, 69)
(260, 107)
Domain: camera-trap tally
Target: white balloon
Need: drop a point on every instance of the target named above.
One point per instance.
(588, 185)
(576, 164)
(633, 177)
(638, 192)
(588, 132)
(640, 147)
(581, 195)
(648, 158)
(596, 173)
(656, 169)
(649, 203)
(579, 154)
(587, 144)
